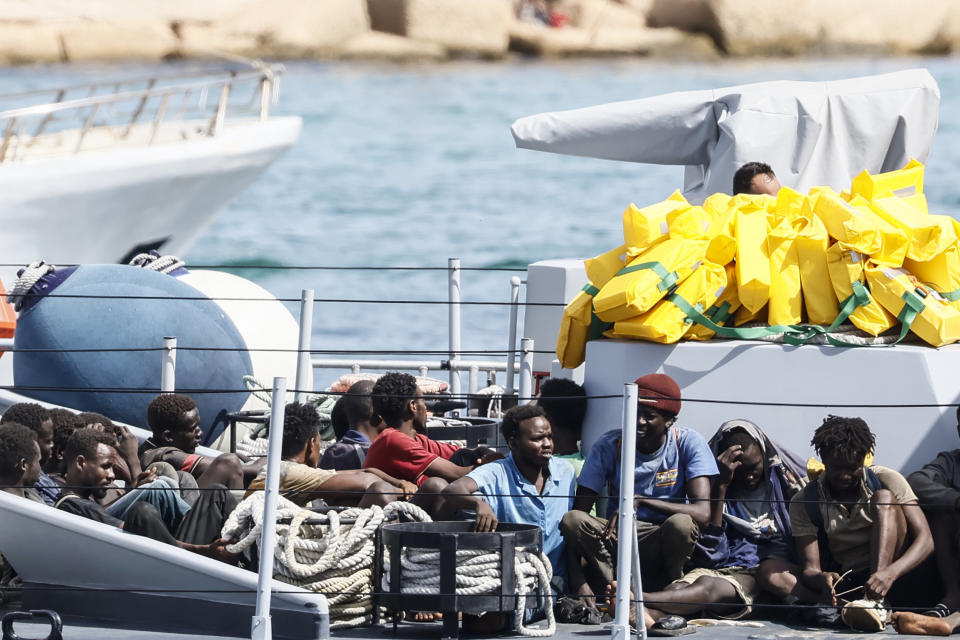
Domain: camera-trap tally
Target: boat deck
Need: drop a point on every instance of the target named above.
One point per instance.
(410, 631)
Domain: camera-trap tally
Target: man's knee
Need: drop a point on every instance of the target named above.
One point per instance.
(572, 521)
(139, 514)
(681, 527)
(433, 485)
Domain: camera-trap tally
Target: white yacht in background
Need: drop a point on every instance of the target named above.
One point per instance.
(98, 173)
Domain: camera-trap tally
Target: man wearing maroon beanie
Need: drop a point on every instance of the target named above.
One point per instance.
(674, 468)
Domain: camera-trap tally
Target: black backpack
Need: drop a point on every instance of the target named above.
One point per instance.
(812, 498)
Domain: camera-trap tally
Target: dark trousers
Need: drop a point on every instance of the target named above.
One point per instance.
(201, 525)
(664, 548)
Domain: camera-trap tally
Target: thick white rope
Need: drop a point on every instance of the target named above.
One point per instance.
(27, 277)
(162, 264)
(336, 559)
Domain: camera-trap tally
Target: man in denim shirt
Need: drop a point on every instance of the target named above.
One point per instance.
(529, 486)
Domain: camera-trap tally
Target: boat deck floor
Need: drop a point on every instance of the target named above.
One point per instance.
(411, 631)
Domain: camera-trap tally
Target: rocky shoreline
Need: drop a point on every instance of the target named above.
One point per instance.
(43, 31)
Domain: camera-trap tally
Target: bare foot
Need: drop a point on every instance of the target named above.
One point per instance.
(585, 593)
(611, 598)
(423, 616)
(909, 623)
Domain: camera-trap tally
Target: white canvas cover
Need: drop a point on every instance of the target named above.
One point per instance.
(811, 133)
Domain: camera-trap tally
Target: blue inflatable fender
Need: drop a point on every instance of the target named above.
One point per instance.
(71, 313)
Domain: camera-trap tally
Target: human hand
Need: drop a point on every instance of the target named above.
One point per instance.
(218, 551)
(127, 443)
(610, 531)
(490, 456)
(486, 519)
(879, 584)
(727, 463)
(408, 489)
(147, 476)
(826, 582)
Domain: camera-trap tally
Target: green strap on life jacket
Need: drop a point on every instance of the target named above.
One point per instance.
(667, 278)
(597, 326)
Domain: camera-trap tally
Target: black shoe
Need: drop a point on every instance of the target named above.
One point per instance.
(821, 616)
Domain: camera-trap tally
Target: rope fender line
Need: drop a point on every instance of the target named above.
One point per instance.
(318, 552)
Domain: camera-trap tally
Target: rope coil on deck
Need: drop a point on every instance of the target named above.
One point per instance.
(319, 552)
(324, 556)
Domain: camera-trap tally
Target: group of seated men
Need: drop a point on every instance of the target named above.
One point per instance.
(724, 526)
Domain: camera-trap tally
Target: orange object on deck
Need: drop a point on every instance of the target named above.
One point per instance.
(8, 316)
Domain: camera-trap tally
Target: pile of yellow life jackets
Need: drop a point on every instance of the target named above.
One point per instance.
(872, 256)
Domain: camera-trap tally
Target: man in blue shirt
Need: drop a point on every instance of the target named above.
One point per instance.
(529, 486)
(674, 467)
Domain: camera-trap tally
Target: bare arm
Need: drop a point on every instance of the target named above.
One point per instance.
(459, 495)
(921, 547)
(698, 507)
(812, 575)
(585, 499)
(447, 470)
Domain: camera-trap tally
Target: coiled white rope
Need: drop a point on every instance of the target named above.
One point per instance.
(26, 278)
(156, 262)
(326, 556)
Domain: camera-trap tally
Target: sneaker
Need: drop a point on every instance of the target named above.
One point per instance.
(865, 615)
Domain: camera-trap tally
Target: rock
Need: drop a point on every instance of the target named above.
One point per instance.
(595, 15)
(84, 41)
(299, 28)
(204, 39)
(21, 44)
(463, 27)
(758, 27)
(573, 41)
(377, 45)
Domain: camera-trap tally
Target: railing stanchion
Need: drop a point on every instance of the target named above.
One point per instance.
(512, 332)
(261, 627)
(304, 365)
(453, 275)
(473, 383)
(526, 371)
(168, 369)
(628, 456)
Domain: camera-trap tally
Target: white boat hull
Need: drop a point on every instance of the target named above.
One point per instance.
(98, 206)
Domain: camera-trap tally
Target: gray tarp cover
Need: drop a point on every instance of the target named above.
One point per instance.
(811, 133)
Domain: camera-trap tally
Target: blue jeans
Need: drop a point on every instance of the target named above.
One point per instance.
(162, 493)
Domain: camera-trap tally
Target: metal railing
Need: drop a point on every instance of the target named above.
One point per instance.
(140, 111)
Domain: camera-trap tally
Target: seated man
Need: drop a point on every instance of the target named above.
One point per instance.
(89, 458)
(529, 486)
(862, 521)
(937, 485)
(748, 545)
(34, 416)
(674, 466)
(564, 402)
(403, 450)
(19, 459)
(175, 422)
(64, 424)
(363, 427)
(755, 178)
(301, 481)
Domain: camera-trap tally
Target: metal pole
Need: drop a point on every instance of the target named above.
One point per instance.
(628, 456)
(304, 361)
(453, 273)
(526, 371)
(261, 627)
(512, 336)
(168, 367)
(638, 588)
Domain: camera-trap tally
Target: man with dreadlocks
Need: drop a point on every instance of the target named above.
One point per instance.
(862, 521)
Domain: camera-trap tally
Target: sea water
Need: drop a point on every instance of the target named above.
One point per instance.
(407, 166)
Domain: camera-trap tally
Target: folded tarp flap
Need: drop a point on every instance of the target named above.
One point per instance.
(811, 133)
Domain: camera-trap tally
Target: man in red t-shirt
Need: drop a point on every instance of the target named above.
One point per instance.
(402, 450)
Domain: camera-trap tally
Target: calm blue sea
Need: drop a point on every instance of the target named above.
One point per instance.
(410, 165)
